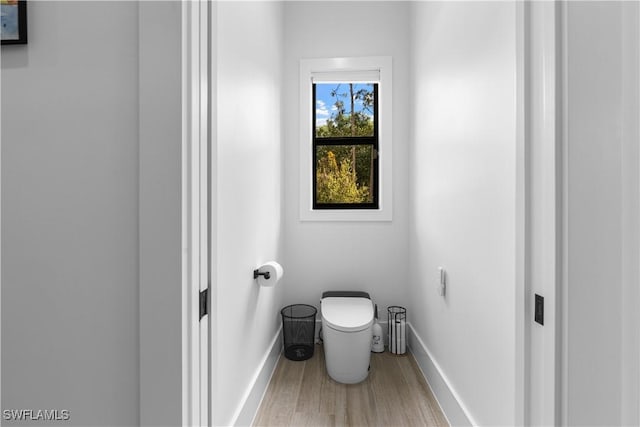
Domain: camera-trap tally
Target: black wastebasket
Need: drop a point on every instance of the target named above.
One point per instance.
(298, 330)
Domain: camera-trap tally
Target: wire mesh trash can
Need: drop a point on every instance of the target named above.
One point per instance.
(397, 329)
(298, 330)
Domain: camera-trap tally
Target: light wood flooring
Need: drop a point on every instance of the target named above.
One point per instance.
(394, 394)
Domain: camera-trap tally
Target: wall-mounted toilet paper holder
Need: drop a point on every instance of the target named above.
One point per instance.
(271, 273)
(257, 273)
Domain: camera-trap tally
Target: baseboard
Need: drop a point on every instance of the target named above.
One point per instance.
(252, 398)
(449, 400)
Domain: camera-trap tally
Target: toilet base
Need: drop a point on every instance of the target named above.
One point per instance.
(347, 354)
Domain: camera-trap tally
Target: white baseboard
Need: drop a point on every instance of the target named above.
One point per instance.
(449, 400)
(254, 394)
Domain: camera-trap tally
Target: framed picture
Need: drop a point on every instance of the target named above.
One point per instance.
(14, 21)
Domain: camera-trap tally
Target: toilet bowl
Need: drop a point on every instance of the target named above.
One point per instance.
(347, 319)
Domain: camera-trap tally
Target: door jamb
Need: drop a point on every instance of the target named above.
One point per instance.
(195, 213)
(539, 213)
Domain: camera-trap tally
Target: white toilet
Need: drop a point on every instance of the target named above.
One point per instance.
(347, 318)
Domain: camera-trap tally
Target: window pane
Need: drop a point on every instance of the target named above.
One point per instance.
(344, 109)
(344, 174)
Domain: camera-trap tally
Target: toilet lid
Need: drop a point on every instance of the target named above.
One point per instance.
(347, 314)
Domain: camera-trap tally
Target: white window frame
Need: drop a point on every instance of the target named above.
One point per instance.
(346, 69)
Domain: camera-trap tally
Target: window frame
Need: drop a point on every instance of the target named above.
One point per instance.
(372, 141)
(345, 70)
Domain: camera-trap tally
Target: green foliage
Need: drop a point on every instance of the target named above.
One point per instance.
(342, 125)
(336, 183)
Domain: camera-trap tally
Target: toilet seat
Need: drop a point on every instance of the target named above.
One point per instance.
(347, 314)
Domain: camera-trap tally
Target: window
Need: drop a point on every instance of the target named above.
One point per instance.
(345, 139)
(345, 145)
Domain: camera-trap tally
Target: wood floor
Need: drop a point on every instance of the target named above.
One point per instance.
(394, 394)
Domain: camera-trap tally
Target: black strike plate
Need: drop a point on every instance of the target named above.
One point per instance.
(539, 310)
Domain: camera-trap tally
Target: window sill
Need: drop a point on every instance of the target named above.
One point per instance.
(347, 215)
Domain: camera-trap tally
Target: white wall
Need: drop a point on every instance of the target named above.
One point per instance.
(70, 213)
(369, 256)
(601, 216)
(247, 180)
(462, 200)
(159, 211)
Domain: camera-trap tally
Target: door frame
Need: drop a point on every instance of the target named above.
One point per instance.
(196, 408)
(539, 212)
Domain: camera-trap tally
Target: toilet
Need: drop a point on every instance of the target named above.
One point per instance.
(347, 319)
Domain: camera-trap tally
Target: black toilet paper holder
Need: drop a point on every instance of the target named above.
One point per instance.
(257, 273)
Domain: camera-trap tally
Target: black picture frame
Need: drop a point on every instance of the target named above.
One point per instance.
(15, 20)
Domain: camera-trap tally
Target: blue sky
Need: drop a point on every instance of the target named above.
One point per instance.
(325, 102)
